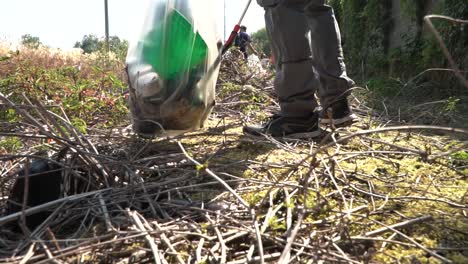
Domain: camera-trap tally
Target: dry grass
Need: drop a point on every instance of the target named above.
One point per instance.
(49, 58)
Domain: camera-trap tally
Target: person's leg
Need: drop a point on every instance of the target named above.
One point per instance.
(295, 81)
(246, 55)
(329, 62)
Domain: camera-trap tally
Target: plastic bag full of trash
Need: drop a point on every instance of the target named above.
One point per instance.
(173, 67)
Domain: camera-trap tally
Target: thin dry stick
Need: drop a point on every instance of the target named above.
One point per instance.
(343, 254)
(23, 135)
(244, 203)
(285, 255)
(385, 243)
(39, 231)
(272, 210)
(34, 121)
(42, 207)
(108, 222)
(29, 254)
(442, 45)
(53, 238)
(49, 254)
(90, 244)
(382, 130)
(338, 188)
(419, 198)
(432, 253)
(402, 148)
(399, 225)
(269, 257)
(426, 71)
(44, 114)
(221, 241)
(199, 250)
(258, 235)
(300, 251)
(336, 216)
(464, 146)
(50, 134)
(167, 242)
(142, 185)
(250, 253)
(24, 204)
(149, 239)
(289, 214)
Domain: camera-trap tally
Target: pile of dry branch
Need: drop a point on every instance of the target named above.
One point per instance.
(215, 196)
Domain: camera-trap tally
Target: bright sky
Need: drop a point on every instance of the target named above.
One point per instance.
(60, 23)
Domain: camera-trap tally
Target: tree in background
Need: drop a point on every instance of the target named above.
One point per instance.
(387, 40)
(30, 41)
(261, 41)
(117, 46)
(91, 43)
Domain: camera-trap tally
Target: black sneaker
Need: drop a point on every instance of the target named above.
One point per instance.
(338, 114)
(288, 127)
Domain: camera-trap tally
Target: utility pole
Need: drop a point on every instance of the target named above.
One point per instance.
(224, 20)
(106, 16)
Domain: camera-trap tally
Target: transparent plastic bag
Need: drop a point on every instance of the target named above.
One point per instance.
(173, 67)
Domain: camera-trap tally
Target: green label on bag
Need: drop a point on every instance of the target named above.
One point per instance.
(173, 47)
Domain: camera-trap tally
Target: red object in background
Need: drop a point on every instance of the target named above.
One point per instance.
(231, 38)
(236, 29)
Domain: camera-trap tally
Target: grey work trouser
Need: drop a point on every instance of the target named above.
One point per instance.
(306, 44)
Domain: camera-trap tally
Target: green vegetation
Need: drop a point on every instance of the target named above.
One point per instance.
(89, 88)
(261, 42)
(91, 43)
(10, 145)
(30, 41)
(381, 45)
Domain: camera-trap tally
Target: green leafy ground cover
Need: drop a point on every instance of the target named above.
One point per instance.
(336, 200)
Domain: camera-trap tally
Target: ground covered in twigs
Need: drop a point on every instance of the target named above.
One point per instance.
(378, 192)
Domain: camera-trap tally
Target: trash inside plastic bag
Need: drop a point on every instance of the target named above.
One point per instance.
(173, 67)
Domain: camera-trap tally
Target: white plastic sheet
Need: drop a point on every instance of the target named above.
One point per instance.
(173, 66)
(255, 65)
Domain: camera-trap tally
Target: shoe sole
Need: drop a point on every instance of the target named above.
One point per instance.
(303, 135)
(340, 122)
